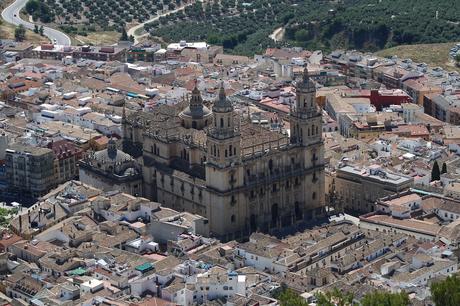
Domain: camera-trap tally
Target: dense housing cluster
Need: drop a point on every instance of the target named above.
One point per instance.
(185, 175)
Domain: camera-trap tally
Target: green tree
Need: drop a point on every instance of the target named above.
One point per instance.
(302, 35)
(457, 59)
(41, 30)
(20, 33)
(382, 298)
(36, 28)
(334, 298)
(446, 292)
(444, 168)
(214, 39)
(124, 35)
(32, 6)
(435, 173)
(290, 298)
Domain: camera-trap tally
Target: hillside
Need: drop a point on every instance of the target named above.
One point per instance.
(244, 27)
(7, 32)
(436, 55)
(84, 16)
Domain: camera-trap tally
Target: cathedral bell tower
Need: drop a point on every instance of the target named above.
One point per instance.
(224, 170)
(223, 140)
(306, 136)
(305, 117)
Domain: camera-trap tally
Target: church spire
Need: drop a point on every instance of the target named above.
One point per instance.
(196, 102)
(306, 76)
(222, 104)
(305, 83)
(112, 148)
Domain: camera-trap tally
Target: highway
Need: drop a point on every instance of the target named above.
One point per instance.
(11, 15)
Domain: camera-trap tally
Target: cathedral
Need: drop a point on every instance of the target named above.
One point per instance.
(240, 176)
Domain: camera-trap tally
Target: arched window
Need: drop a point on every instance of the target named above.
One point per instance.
(226, 153)
(316, 130)
(221, 122)
(228, 121)
(193, 124)
(230, 151)
(270, 165)
(313, 195)
(233, 218)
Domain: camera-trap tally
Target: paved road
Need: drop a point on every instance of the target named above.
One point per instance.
(11, 15)
(132, 30)
(278, 34)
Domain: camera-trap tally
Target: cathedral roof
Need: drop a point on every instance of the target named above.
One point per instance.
(163, 124)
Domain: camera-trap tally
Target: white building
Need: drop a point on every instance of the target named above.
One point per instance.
(219, 283)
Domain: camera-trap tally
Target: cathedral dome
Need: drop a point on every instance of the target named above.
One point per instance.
(112, 161)
(196, 115)
(108, 156)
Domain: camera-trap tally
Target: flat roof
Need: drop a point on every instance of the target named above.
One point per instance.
(388, 177)
(144, 267)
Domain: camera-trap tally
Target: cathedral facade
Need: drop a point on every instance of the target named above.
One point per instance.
(241, 177)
